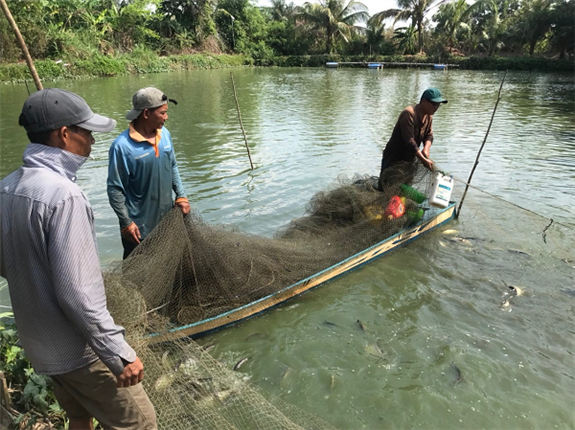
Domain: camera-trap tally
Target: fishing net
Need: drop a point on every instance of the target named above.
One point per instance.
(188, 270)
(537, 251)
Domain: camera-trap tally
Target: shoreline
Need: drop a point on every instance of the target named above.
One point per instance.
(144, 62)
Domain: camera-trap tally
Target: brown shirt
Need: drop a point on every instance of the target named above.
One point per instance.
(408, 134)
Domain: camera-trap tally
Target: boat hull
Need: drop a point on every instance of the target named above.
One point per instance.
(250, 310)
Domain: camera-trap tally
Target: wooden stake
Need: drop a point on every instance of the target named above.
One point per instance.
(240, 118)
(4, 393)
(481, 148)
(22, 44)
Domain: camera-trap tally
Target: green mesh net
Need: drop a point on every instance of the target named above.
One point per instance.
(188, 271)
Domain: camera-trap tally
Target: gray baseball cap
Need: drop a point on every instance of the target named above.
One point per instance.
(147, 98)
(52, 108)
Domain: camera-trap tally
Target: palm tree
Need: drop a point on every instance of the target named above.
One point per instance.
(406, 39)
(335, 17)
(452, 17)
(282, 11)
(375, 33)
(409, 9)
(494, 27)
(536, 20)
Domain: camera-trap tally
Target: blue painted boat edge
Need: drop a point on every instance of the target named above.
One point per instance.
(416, 228)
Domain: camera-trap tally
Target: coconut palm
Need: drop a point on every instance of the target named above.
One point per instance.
(451, 18)
(334, 17)
(282, 11)
(409, 9)
(405, 37)
(535, 20)
(495, 18)
(375, 34)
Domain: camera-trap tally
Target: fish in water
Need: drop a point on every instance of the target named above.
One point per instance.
(374, 350)
(456, 373)
(256, 336)
(462, 240)
(208, 348)
(286, 375)
(511, 292)
(241, 363)
(326, 322)
(361, 325)
(450, 231)
(519, 251)
(164, 381)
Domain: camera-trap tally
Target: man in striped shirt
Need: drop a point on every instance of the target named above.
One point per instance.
(49, 255)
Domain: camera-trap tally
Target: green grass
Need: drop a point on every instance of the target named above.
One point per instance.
(138, 62)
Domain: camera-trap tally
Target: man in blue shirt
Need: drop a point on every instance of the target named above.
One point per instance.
(49, 255)
(142, 171)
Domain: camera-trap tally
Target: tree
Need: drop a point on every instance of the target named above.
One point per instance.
(492, 18)
(282, 11)
(451, 18)
(406, 37)
(335, 18)
(375, 37)
(563, 28)
(409, 9)
(244, 28)
(534, 21)
(193, 16)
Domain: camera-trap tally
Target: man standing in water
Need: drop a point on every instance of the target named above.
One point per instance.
(413, 128)
(143, 171)
(49, 255)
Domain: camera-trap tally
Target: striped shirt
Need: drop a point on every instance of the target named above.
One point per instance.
(49, 255)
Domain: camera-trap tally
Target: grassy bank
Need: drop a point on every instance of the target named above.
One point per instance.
(137, 62)
(148, 62)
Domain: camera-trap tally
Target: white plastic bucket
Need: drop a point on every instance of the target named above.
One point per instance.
(441, 190)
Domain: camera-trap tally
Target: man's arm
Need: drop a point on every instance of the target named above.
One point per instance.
(181, 199)
(427, 142)
(118, 174)
(407, 124)
(425, 160)
(78, 283)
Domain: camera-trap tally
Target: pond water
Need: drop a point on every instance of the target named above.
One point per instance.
(438, 350)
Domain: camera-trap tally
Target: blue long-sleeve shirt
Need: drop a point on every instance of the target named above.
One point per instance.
(141, 178)
(49, 255)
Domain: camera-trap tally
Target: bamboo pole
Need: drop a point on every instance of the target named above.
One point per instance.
(22, 44)
(481, 148)
(240, 118)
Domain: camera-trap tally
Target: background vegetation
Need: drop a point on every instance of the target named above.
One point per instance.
(31, 394)
(111, 37)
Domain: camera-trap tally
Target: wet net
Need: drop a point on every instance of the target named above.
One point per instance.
(188, 270)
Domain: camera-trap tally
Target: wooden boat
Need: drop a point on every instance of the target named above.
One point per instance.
(433, 218)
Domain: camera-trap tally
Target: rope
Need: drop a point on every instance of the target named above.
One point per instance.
(511, 203)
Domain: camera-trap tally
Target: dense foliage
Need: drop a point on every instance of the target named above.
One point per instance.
(31, 394)
(85, 29)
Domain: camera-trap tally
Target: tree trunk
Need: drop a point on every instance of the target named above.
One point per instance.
(420, 36)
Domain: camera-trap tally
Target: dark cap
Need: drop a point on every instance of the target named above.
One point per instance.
(434, 95)
(147, 98)
(52, 108)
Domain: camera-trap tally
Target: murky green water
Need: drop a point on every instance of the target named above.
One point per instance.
(439, 351)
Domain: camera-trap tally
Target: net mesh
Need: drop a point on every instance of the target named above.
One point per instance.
(188, 270)
(536, 250)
